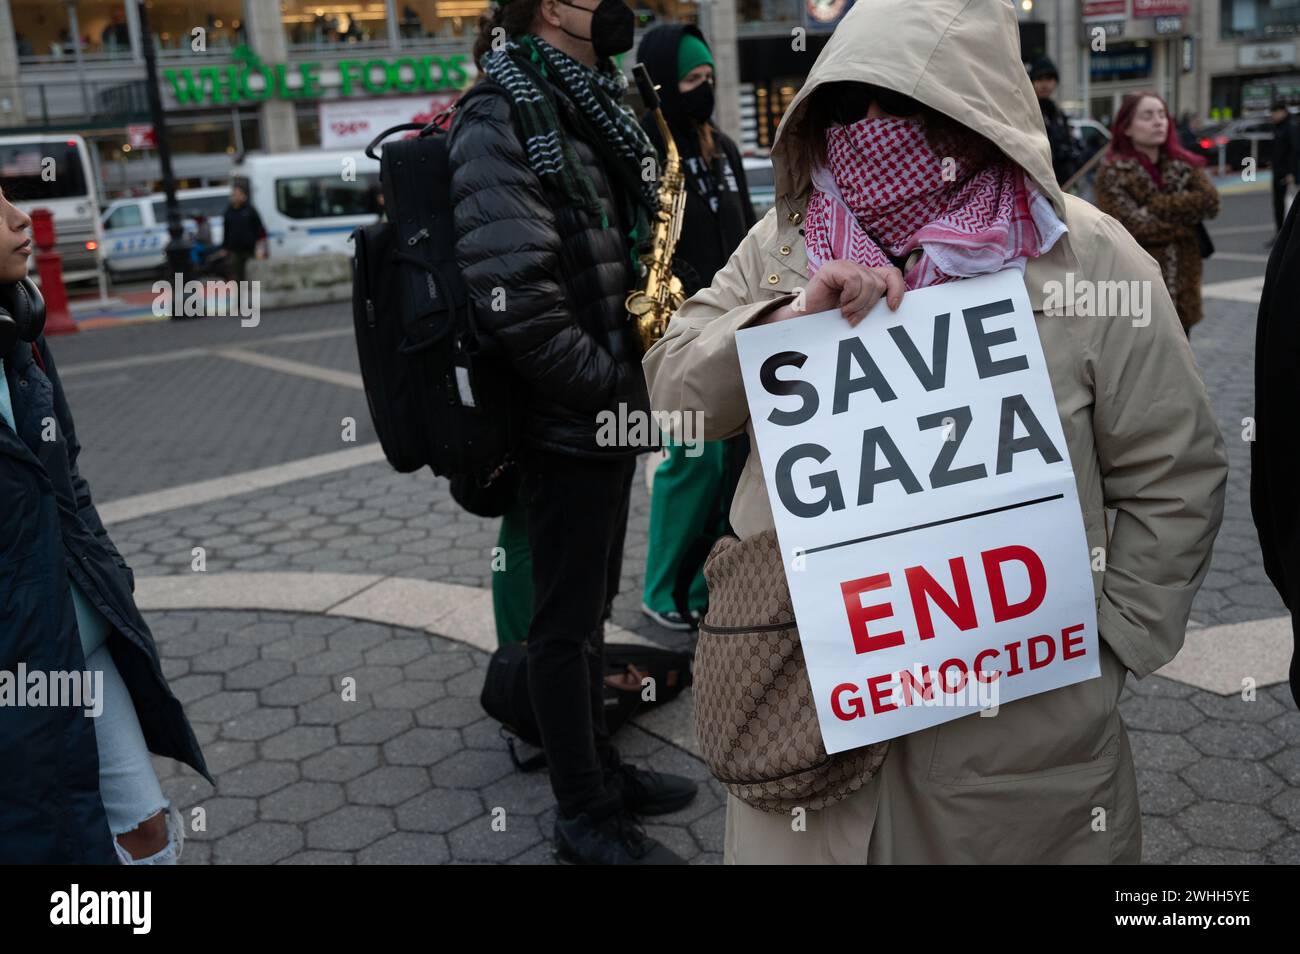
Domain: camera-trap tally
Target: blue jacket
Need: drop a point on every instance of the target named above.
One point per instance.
(50, 809)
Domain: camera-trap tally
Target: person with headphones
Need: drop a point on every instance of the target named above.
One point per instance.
(78, 786)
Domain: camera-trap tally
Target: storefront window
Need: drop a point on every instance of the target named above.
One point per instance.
(220, 26)
(1259, 18)
(419, 21)
(43, 29)
(768, 16)
(328, 25)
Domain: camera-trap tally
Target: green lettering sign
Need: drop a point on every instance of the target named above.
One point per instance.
(249, 80)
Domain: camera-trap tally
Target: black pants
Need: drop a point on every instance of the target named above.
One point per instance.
(577, 517)
(1279, 199)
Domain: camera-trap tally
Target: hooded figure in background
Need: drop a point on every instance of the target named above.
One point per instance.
(1026, 785)
(1067, 153)
(693, 486)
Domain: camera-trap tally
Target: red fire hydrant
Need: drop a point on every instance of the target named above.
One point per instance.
(49, 265)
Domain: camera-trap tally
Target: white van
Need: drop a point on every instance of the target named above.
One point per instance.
(55, 172)
(135, 228)
(310, 202)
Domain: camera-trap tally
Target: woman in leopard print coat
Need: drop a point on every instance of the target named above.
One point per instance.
(1160, 193)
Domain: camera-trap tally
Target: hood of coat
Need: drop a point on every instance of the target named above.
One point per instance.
(959, 57)
(658, 51)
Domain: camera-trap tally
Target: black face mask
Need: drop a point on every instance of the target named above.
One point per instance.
(698, 102)
(611, 27)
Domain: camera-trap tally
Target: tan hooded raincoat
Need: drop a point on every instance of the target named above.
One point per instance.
(1051, 777)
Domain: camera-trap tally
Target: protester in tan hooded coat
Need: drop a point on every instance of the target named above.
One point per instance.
(1051, 777)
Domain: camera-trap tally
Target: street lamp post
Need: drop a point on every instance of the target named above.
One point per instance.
(179, 246)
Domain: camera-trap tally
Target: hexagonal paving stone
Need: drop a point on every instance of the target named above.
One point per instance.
(477, 841)
(519, 793)
(220, 817)
(422, 746)
(1232, 780)
(397, 652)
(223, 756)
(342, 763)
(410, 694)
(1156, 714)
(1286, 851)
(439, 665)
(302, 801)
(350, 828)
(258, 724)
(258, 778)
(1287, 764)
(406, 848)
(439, 810)
(376, 725)
(259, 674)
(1235, 709)
(332, 662)
(390, 785)
(319, 858)
(294, 690)
(189, 689)
(294, 647)
(1230, 825)
(471, 768)
(1162, 842)
(221, 706)
(260, 844)
(223, 658)
(1234, 739)
(450, 713)
(332, 709)
(299, 742)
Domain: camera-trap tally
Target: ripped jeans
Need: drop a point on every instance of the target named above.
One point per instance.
(128, 785)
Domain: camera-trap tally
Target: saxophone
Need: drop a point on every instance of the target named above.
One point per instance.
(660, 294)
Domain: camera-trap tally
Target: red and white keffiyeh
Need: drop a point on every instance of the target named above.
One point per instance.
(883, 187)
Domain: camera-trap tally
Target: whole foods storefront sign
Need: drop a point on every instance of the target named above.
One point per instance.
(249, 80)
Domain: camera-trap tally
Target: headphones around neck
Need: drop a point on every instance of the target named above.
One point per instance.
(22, 314)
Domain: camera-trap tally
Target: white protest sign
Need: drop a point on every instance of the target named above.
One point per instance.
(925, 505)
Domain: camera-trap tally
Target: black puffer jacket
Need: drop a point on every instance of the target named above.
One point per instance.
(563, 277)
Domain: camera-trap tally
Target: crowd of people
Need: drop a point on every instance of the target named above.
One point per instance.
(550, 203)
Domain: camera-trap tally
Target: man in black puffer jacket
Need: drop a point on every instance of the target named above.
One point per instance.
(546, 238)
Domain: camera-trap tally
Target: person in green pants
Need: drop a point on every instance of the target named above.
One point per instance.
(689, 491)
(512, 578)
(683, 507)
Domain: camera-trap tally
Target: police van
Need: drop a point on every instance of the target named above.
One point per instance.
(310, 201)
(135, 228)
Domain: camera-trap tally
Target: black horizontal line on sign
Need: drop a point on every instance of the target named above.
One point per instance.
(934, 523)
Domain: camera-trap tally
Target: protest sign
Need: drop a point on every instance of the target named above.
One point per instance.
(926, 507)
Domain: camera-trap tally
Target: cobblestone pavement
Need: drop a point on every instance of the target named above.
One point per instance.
(412, 770)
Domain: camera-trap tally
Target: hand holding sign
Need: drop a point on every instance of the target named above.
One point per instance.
(851, 287)
(926, 507)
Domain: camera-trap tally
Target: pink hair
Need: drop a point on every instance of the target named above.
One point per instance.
(1121, 146)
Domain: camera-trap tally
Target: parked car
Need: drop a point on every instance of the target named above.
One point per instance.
(1232, 142)
(1091, 134)
(135, 228)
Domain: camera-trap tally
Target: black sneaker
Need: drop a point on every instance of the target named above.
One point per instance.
(616, 839)
(651, 793)
(671, 620)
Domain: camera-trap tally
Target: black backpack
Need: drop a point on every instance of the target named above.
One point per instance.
(438, 390)
(506, 699)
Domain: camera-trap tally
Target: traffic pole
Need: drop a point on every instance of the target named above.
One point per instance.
(49, 265)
